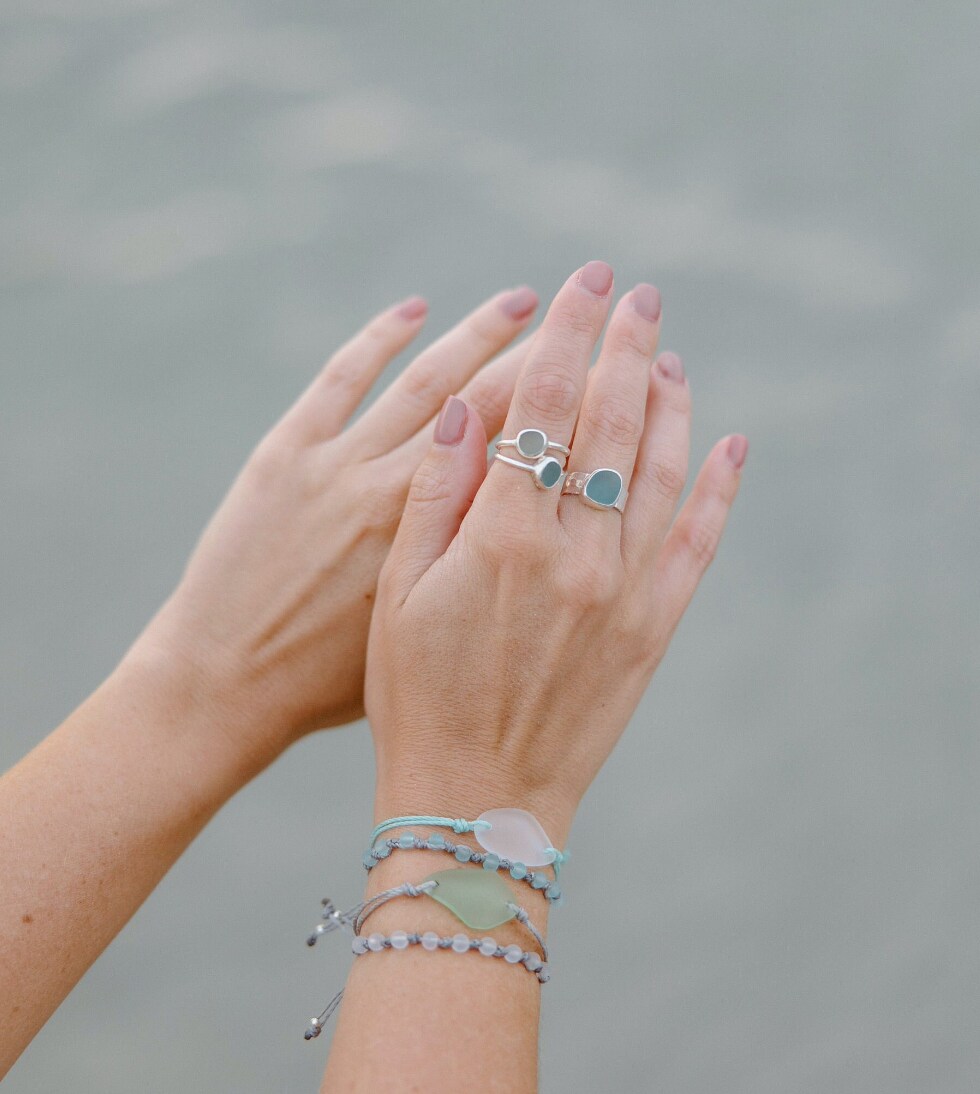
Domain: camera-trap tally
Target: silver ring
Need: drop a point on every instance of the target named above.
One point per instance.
(532, 444)
(602, 489)
(547, 473)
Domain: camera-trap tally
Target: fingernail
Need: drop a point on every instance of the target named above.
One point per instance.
(413, 308)
(646, 301)
(451, 424)
(738, 449)
(597, 277)
(520, 303)
(669, 365)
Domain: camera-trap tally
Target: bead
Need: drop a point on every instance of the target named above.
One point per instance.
(463, 853)
(376, 942)
(532, 962)
(383, 851)
(399, 940)
(513, 955)
(359, 945)
(461, 943)
(488, 946)
(407, 840)
(368, 859)
(538, 881)
(437, 840)
(481, 900)
(491, 862)
(518, 871)
(430, 941)
(544, 974)
(553, 892)
(514, 834)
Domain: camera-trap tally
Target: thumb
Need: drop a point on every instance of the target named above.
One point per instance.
(440, 495)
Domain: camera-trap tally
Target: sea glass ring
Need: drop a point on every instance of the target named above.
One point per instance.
(547, 472)
(601, 489)
(532, 444)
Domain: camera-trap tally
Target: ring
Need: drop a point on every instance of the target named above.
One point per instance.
(602, 489)
(532, 444)
(547, 473)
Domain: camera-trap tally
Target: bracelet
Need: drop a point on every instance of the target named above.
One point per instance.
(460, 894)
(458, 943)
(514, 834)
(437, 842)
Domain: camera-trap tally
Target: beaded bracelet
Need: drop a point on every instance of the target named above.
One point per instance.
(358, 915)
(551, 890)
(458, 943)
(508, 833)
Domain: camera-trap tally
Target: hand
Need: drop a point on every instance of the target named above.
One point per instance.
(268, 626)
(515, 629)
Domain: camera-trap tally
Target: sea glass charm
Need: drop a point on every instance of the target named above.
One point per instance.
(477, 898)
(516, 835)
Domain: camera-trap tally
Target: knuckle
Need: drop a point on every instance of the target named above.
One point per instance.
(422, 382)
(615, 418)
(380, 504)
(700, 540)
(550, 392)
(588, 586)
(571, 321)
(665, 476)
(633, 342)
(431, 483)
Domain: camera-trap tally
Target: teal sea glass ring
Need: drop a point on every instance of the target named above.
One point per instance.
(601, 489)
(547, 472)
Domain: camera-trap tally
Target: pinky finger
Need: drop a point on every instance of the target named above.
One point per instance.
(323, 410)
(693, 539)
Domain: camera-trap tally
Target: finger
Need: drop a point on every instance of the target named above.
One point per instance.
(549, 390)
(489, 393)
(693, 539)
(323, 410)
(661, 462)
(442, 369)
(613, 410)
(440, 495)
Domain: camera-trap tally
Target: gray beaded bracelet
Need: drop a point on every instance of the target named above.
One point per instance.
(458, 943)
(551, 890)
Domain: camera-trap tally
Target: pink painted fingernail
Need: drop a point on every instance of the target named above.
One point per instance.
(646, 301)
(597, 277)
(669, 365)
(451, 424)
(413, 308)
(520, 303)
(738, 449)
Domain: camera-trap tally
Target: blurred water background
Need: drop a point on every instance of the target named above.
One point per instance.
(775, 884)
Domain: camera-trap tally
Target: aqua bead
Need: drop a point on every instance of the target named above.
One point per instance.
(407, 840)
(539, 881)
(463, 853)
(437, 840)
(553, 892)
(368, 859)
(518, 871)
(491, 862)
(383, 851)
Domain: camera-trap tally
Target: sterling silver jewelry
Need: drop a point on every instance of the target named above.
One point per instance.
(602, 489)
(547, 473)
(532, 444)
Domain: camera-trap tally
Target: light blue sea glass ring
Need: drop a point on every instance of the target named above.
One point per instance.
(601, 489)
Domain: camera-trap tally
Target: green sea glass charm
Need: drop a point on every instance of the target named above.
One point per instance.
(478, 898)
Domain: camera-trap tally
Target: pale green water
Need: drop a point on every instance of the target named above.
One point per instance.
(200, 200)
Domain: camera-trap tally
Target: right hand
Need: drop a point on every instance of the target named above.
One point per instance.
(515, 630)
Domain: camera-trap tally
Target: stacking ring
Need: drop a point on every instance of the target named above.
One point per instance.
(602, 489)
(548, 473)
(532, 444)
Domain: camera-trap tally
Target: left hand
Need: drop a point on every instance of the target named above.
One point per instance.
(268, 628)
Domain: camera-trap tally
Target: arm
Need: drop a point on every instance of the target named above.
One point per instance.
(514, 634)
(263, 640)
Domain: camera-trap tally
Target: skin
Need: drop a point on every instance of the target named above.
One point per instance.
(263, 640)
(553, 616)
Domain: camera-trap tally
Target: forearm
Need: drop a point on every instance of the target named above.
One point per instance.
(92, 820)
(439, 1021)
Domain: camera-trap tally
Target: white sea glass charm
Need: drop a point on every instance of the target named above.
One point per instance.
(514, 834)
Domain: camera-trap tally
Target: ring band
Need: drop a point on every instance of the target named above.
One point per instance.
(547, 473)
(601, 489)
(532, 444)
